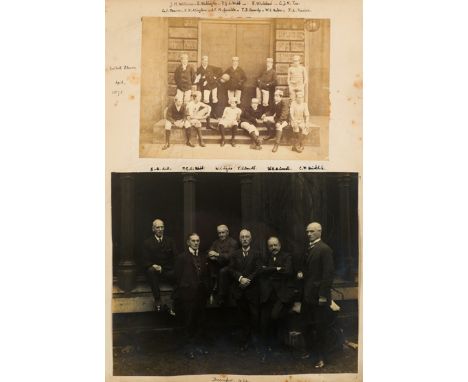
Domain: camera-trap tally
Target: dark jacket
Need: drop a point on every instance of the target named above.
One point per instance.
(237, 78)
(210, 75)
(249, 267)
(162, 253)
(184, 78)
(267, 80)
(225, 249)
(189, 281)
(280, 110)
(318, 272)
(250, 115)
(175, 115)
(282, 282)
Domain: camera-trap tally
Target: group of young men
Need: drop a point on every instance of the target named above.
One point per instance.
(265, 289)
(197, 93)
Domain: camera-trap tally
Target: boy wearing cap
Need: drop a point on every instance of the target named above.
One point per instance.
(175, 116)
(230, 118)
(207, 80)
(251, 116)
(299, 113)
(236, 81)
(266, 83)
(196, 112)
(297, 77)
(277, 117)
(184, 76)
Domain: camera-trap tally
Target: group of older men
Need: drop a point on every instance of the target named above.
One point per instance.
(198, 89)
(264, 288)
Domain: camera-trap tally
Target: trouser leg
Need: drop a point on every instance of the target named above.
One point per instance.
(154, 277)
(168, 140)
(222, 132)
(187, 137)
(200, 138)
(279, 133)
(214, 95)
(233, 135)
(256, 140)
(224, 281)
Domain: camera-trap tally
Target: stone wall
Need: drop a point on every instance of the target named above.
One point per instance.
(183, 38)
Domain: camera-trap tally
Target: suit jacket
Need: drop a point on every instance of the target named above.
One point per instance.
(189, 281)
(225, 249)
(210, 75)
(282, 282)
(318, 272)
(280, 110)
(237, 78)
(250, 115)
(267, 80)
(248, 266)
(184, 78)
(158, 253)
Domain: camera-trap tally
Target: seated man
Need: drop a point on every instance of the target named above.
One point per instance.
(230, 118)
(299, 113)
(250, 117)
(158, 254)
(197, 111)
(219, 255)
(277, 117)
(175, 116)
(266, 83)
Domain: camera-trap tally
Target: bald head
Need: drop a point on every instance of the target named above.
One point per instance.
(274, 245)
(223, 231)
(314, 231)
(158, 227)
(245, 238)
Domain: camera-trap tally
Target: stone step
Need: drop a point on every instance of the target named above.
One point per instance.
(213, 136)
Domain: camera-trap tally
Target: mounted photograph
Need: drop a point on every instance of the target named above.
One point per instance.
(235, 88)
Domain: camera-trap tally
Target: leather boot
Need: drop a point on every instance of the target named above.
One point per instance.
(221, 131)
(301, 142)
(270, 131)
(278, 140)
(257, 145)
(168, 138)
(233, 136)
(187, 138)
(296, 143)
(200, 138)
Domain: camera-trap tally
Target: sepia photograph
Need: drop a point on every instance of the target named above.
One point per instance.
(240, 88)
(240, 273)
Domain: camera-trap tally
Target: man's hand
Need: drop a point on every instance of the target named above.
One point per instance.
(278, 268)
(300, 275)
(213, 254)
(157, 267)
(322, 301)
(244, 281)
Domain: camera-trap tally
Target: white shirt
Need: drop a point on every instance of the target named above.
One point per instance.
(192, 251)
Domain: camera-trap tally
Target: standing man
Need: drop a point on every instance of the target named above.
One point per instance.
(219, 256)
(207, 80)
(276, 291)
(175, 116)
(297, 78)
(266, 84)
(184, 76)
(190, 295)
(158, 253)
(277, 119)
(237, 77)
(244, 268)
(318, 272)
(299, 113)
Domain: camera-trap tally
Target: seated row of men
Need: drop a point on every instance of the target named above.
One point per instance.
(275, 118)
(207, 78)
(264, 288)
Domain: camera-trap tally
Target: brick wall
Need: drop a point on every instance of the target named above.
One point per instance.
(183, 38)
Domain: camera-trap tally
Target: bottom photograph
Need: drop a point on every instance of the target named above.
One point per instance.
(244, 274)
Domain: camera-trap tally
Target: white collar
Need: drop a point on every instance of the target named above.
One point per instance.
(158, 238)
(192, 251)
(246, 249)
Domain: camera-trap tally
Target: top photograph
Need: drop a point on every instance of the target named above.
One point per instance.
(235, 88)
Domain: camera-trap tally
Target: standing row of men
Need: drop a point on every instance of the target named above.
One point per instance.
(207, 79)
(264, 288)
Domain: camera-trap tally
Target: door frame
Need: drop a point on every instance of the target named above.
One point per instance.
(234, 21)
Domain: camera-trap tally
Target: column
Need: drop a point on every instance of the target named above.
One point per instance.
(126, 270)
(344, 187)
(189, 204)
(246, 201)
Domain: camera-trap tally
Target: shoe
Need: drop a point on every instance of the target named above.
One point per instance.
(268, 137)
(190, 355)
(319, 364)
(296, 149)
(275, 148)
(166, 146)
(304, 355)
(202, 144)
(233, 143)
(222, 142)
(244, 347)
(188, 143)
(158, 308)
